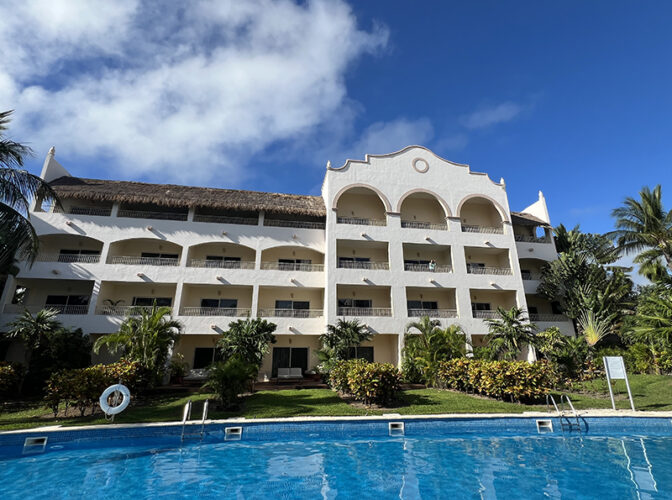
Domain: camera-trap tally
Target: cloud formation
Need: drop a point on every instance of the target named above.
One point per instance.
(486, 117)
(187, 94)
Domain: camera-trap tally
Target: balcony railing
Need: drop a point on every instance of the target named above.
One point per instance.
(69, 258)
(488, 270)
(60, 308)
(364, 311)
(294, 223)
(225, 219)
(530, 276)
(287, 266)
(422, 268)
(221, 264)
(361, 221)
(432, 313)
(142, 261)
(291, 313)
(424, 225)
(549, 317)
(363, 265)
(150, 214)
(215, 311)
(466, 228)
(108, 310)
(104, 212)
(485, 314)
(531, 239)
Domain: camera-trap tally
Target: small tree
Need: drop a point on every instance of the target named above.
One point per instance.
(510, 333)
(249, 339)
(339, 339)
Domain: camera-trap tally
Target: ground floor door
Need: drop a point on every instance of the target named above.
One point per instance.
(289, 357)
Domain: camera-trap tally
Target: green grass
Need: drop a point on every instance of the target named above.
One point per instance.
(651, 392)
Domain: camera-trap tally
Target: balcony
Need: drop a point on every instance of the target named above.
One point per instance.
(532, 239)
(364, 311)
(221, 264)
(500, 271)
(554, 318)
(530, 276)
(225, 219)
(74, 309)
(468, 228)
(112, 310)
(420, 268)
(359, 221)
(485, 314)
(290, 313)
(349, 264)
(215, 311)
(142, 261)
(69, 258)
(412, 224)
(152, 214)
(292, 266)
(79, 210)
(360, 206)
(299, 224)
(432, 313)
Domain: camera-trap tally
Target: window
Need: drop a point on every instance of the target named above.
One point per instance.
(293, 308)
(220, 261)
(205, 356)
(532, 310)
(360, 352)
(67, 255)
(417, 305)
(359, 303)
(293, 264)
(149, 301)
(289, 357)
(354, 262)
(526, 274)
(231, 304)
(475, 267)
(67, 300)
(480, 306)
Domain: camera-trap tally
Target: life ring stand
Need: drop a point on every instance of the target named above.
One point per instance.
(115, 410)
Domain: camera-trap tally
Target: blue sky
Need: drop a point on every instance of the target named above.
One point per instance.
(572, 98)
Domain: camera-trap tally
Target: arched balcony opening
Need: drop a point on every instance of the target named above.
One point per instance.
(144, 251)
(69, 248)
(481, 215)
(292, 258)
(421, 210)
(362, 206)
(531, 269)
(221, 255)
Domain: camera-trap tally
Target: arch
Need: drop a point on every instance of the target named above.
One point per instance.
(148, 240)
(68, 236)
(502, 213)
(289, 252)
(381, 196)
(442, 202)
(220, 242)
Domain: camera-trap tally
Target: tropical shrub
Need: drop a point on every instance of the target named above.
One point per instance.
(10, 377)
(228, 379)
(248, 339)
(508, 380)
(370, 383)
(339, 340)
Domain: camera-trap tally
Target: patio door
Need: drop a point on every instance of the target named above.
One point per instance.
(289, 357)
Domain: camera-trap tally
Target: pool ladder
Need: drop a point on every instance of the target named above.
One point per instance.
(569, 419)
(186, 416)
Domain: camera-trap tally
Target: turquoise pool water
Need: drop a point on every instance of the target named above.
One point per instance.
(500, 463)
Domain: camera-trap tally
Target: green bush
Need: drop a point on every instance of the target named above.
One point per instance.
(10, 377)
(230, 378)
(507, 380)
(638, 358)
(367, 382)
(81, 388)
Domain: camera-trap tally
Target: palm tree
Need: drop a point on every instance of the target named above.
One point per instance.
(593, 327)
(249, 339)
(18, 188)
(644, 227)
(342, 336)
(33, 331)
(146, 336)
(510, 332)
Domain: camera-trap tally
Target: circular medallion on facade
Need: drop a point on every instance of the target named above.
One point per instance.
(420, 165)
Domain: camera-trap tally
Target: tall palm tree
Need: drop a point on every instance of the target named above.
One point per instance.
(146, 335)
(17, 188)
(249, 339)
(644, 227)
(510, 333)
(341, 337)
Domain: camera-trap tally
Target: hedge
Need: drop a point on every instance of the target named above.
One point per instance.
(82, 387)
(10, 377)
(512, 380)
(367, 382)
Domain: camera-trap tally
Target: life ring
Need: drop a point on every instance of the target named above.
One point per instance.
(114, 410)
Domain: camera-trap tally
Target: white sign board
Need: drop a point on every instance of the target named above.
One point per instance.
(615, 370)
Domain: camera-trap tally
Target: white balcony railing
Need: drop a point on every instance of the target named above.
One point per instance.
(425, 268)
(60, 308)
(432, 313)
(225, 219)
(554, 318)
(142, 261)
(361, 221)
(221, 264)
(103, 212)
(527, 275)
(215, 311)
(364, 311)
(291, 313)
(68, 259)
(485, 314)
(152, 214)
(108, 310)
(363, 265)
(501, 271)
(466, 228)
(424, 225)
(292, 266)
(531, 239)
(294, 223)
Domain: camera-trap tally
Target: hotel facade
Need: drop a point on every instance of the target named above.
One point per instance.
(392, 238)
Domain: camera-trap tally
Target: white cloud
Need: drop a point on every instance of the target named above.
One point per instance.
(486, 117)
(188, 94)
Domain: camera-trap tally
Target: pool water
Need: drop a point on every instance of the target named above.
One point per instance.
(501, 467)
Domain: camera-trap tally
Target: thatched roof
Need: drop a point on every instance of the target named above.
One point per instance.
(171, 195)
(523, 219)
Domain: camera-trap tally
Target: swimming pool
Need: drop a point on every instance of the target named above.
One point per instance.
(435, 458)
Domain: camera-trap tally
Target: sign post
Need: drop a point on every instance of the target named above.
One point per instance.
(615, 370)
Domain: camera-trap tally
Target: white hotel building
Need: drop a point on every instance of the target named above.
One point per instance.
(361, 250)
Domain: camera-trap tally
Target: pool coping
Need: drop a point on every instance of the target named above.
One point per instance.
(345, 418)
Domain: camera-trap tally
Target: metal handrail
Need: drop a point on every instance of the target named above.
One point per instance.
(500, 271)
(293, 266)
(361, 221)
(425, 268)
(531, 239)
(151, 214)
(432, 313)
(69, 258)
(364, 311)
(530, 276)
(108, 310)
(77, 309)
(385, 266)
(467, 228)
(103, 212)
(294, 223)
(142, 261)
(412, 224)
(215, 311)
(225, 219)
(290, 313)
(548, 317)
(485, 314)
(221, 264)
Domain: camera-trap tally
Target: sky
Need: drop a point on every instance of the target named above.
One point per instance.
(573, 98)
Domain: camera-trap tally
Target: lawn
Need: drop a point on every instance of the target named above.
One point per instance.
(651, 392)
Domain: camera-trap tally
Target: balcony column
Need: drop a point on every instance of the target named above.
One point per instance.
(190, 214)
(463, 302)
(254, 310)
(115, 210)
(177, 303)
(400, 349)
(454, 224)
(262, 216)
(7, 292)
(507, 228)
(93, 301)
(104, 252)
